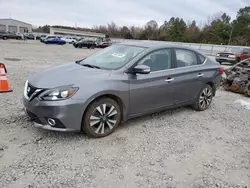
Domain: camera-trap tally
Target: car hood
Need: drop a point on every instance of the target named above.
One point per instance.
(226, 52)
(66, 75)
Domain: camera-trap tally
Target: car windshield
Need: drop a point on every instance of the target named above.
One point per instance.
(113, 57)
(235, 50)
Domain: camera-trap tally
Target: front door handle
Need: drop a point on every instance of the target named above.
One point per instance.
(200, 75)
(169, 80)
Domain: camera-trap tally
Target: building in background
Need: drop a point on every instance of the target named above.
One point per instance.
(75, 33)
(15, 26)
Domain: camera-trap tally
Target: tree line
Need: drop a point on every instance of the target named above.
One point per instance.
(220, 29)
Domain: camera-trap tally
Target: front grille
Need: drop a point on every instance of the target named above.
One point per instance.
(224, 55)
(30, 90)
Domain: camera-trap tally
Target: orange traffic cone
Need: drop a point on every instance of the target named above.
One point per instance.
(4, 86)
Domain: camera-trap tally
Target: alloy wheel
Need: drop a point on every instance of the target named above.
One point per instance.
(103, 119)
(205, 98)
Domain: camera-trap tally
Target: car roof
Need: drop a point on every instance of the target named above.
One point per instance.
(155, 45)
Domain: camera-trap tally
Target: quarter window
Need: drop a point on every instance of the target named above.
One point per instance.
(185, 58)
(158, 60)
(201, 59)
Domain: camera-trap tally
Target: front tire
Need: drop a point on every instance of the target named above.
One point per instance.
(101, 118)
(204, 98)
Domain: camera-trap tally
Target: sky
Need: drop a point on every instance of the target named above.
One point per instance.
(87, 13)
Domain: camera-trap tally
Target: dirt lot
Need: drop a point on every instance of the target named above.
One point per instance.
(176, 148)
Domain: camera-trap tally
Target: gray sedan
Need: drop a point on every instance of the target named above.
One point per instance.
(123, 81)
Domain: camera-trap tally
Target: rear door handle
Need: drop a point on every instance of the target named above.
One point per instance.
(169, 80)
(200, 75)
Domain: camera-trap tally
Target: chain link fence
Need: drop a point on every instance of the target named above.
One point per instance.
(208, 49)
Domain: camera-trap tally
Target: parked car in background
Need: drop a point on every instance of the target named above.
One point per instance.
(29, 36)
(87, 43)
(54, 41)
(9, 35)
(77, 40)
(13, 35)
(69, 40)
(4, 35)
(103, 44)
(120, 82)
(42, 37)
(38, 36)
(48, 37)
(233, 55)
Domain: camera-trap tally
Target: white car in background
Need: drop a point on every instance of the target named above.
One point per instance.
(69, 39)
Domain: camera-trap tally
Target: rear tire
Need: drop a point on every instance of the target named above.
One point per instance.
(5, 38)
(204, 98)
(101, 118)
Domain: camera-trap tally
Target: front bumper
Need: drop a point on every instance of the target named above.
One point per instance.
(66, 113)
(48, 127)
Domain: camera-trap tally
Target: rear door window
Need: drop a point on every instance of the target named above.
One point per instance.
(185, 58)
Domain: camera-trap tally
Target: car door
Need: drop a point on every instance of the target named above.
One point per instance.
(151, 91)
(57, 40)
(189, 75)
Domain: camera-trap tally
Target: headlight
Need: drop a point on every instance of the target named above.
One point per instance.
(58, 94)
(218, 55)
(232, 56)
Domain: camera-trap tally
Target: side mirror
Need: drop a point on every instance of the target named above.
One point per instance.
(141, 69)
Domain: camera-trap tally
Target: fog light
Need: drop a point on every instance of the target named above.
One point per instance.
(51, 122)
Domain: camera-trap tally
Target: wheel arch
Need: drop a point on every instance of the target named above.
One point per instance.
(111, 96)
(212, 84)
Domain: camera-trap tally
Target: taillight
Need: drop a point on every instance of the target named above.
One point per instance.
(221, 70)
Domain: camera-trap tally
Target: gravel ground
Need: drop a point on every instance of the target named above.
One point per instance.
(176, 148)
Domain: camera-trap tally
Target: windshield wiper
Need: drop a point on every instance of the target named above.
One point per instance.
(91, 66)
